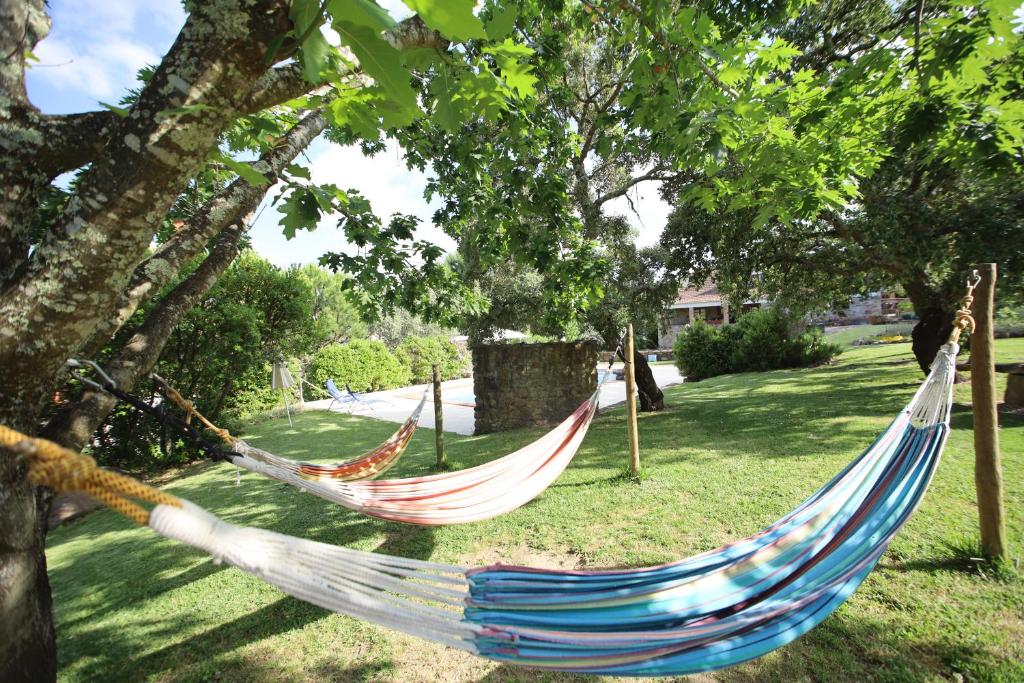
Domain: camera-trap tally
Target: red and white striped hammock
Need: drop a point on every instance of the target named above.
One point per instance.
(372, 464)
(469, 495)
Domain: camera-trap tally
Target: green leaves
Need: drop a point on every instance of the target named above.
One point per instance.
(384, 63)
(120, 111)
(501, 22)
(779, 54)
(244, 170)
(301, 212)
(361, 13)
(314, 48)
(453, 18)
(510, 58)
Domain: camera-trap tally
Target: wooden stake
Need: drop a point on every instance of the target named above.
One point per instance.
(988, 472)
(634, 441)
(438, 418)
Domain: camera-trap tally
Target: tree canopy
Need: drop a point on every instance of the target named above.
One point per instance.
(943, 114)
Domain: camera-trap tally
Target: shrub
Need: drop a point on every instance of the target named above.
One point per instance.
(418, 354)
(363, 364)
(702, 351)
(760, 340)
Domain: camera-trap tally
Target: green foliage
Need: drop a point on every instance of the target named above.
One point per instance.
(419, 354)
(335, 319)
(760, 340)
(910, 130)
(393, 328)
(363, 364)
(220, 357)
(702, 351)
(637, 289)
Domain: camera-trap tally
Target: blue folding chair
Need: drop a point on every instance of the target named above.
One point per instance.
(350, 398)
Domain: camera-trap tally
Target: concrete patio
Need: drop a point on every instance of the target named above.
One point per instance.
(395, 405)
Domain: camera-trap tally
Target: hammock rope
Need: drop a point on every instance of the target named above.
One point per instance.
(158, 411)
(190, 410)
(61, 469)
(709, 611)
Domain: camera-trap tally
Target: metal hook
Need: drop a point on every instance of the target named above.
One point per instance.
(78, 363)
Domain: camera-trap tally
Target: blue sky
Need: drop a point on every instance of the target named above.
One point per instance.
(95, 48)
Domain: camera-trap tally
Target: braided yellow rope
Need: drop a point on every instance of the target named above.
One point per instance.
(963, 320)
(190, 412)
(62, 469)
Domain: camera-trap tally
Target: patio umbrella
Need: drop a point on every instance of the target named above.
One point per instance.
(282, 379)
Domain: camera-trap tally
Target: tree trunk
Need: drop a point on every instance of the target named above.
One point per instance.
(652, 398)
(51, 303)
(929, 334)
(75, 423)
(28, 650)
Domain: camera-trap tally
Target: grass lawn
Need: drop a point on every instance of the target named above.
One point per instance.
(846, 336)
(729, 456)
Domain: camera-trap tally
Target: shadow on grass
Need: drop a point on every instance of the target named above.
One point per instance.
(843, 648)
(964, 556)
(102, 651)
(848, 647)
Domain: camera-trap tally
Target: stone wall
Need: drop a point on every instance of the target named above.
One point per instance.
(519, 385)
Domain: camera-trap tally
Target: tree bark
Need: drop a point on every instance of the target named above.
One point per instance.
(99, 238)
(652, 398)
(53, 301)
(935, 320)
(74, 424)
(236, 200)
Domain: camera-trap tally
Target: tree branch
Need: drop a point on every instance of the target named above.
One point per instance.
(236, 200)
(654, 174)
(76, 275)
(76, 139)
(74, 424)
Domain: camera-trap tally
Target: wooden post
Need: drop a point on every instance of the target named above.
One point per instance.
(438, 418)
(988, 472)
(634, 441)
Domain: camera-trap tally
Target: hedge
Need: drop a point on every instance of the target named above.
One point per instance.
(759, 340)
(418, 354)
(363, 364)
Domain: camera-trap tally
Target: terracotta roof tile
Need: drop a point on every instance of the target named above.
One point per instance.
(699, 296)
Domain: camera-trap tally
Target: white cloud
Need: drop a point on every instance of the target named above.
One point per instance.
(396, 8)
(96, 47)
(102, 71)
(62, 67)
(94, 16)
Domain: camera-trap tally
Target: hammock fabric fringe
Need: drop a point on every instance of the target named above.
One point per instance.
(469, 495)
(707, 612)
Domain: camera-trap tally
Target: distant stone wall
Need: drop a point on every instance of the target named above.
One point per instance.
(520, 385)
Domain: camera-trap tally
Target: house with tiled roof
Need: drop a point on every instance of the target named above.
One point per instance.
(705, 303)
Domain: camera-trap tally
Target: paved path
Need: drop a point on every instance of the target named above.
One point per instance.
(395, 405)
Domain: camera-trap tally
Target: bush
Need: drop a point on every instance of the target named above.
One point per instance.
(760, 340)
(702, 351)
(363, 364)
(418, 354)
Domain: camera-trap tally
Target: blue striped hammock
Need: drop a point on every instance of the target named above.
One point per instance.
(714, 610)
